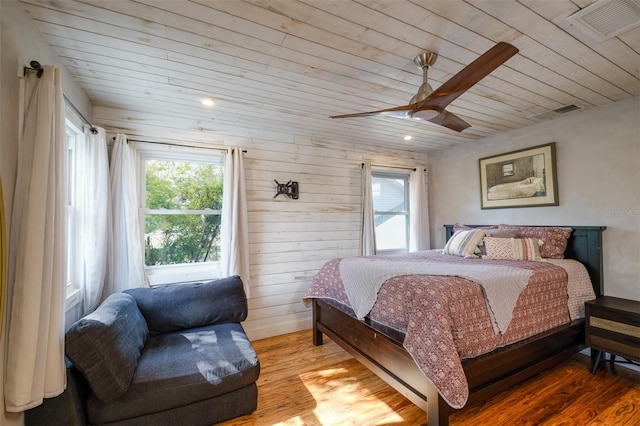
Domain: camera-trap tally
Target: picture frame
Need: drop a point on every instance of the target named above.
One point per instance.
(523, 178)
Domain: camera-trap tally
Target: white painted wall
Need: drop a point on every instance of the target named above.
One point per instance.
(598, 164)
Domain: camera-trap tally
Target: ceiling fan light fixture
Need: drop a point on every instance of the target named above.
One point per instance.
(425, 114)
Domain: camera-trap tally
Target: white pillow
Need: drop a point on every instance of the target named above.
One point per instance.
(464, 243)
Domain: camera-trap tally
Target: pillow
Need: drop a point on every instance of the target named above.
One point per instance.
(460, 227)
(555, 239)
(496, 233)
(106, 344)
(180, 306)
(512, 248)
(464, 243)
(501, 233)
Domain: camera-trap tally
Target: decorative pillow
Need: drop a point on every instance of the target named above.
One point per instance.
(501, 233)
(106, 344)
(464, 243)
(512, 248)
(496, 233)
(555, 239)
(179, 306)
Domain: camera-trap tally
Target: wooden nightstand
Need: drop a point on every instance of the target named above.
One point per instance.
(612, 325)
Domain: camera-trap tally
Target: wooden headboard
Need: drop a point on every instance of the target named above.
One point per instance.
(584, 245)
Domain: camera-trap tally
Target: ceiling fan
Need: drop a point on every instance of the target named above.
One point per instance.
(429, 104)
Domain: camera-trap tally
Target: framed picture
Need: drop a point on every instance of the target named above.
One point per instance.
(524, 178)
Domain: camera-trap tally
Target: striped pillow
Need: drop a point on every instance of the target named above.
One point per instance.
(512, 248)
(464, 243)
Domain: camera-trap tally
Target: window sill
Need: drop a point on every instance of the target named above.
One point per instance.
(182, 274)
(72, 299)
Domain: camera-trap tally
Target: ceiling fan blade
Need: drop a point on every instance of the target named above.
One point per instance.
(432, 108)
(397, 112)
(484, 65)
(450, 120)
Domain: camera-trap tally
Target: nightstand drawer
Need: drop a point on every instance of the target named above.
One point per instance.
(620, 344)
(616, 316)
(627, 328)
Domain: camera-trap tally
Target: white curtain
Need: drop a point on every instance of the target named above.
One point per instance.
(368, 243)
(3, 262)
(35, 350)
(93, 217)
(126, 257)
(235, 232)
(419, 211)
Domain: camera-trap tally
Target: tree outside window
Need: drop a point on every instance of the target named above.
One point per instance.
(183, 204)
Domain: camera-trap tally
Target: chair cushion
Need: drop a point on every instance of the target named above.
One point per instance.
(182, 306)
(106, 344)
(180, 368)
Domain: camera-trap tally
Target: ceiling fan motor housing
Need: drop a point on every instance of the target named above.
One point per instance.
(424, 61)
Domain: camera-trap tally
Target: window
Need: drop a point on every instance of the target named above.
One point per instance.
(73, 137)
(391, 211)
(181, 193)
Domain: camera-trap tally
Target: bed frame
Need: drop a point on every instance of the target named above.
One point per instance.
(382, 352)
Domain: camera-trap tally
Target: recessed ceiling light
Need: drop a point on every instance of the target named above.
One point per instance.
(207, 102)
(408, 138)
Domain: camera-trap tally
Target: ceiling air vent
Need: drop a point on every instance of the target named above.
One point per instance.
(602, 20)
(555, 113)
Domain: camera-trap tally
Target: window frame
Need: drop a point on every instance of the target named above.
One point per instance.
(74, 136)
(183, 272)
(406, 177)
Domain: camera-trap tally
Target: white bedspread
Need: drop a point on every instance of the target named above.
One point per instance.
(579, 288)
(363, 276)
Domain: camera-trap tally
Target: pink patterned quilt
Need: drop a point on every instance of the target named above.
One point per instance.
(445, 319)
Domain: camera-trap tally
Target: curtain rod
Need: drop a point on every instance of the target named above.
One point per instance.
(176, 144)
(393, 167)
(35, 66)
(73, 107)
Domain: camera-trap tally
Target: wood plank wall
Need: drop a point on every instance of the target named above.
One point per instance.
(289, 239)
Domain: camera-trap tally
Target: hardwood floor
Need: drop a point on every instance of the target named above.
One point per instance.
(301, 384)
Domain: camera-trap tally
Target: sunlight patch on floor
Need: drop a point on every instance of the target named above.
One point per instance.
(339, 395)
(295, 421)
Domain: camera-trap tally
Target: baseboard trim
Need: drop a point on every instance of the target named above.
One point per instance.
(278, 329)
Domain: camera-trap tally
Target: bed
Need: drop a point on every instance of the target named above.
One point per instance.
(525, 188)
(380, 347)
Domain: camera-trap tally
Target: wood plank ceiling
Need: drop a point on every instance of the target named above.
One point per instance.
(285, 66)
